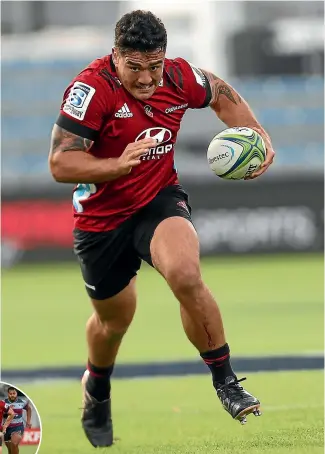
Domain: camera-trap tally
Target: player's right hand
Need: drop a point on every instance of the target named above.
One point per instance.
(131, 155)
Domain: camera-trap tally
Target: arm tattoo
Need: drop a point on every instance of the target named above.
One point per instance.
(63, 140)
(219, 88)
(225, 90)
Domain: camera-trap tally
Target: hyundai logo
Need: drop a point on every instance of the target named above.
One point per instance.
(162, 135)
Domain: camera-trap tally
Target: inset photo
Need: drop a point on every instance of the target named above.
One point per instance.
(20, 424)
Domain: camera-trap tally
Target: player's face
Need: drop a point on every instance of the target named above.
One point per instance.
(12, 395)
(140, 72)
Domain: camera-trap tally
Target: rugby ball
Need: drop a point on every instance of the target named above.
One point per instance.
(235, 153)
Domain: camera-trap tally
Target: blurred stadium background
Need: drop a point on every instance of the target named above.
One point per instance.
(31, 437)
(262, 241)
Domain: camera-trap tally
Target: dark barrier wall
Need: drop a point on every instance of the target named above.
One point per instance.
(246, 217)
(269, 216)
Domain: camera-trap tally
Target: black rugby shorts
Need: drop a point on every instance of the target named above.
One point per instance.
(109, 260)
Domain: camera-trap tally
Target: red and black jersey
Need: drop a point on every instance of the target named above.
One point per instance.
(96, 106)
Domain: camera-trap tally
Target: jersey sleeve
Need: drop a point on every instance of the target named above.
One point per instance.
(86, 102)
(196, 85)
(4, 407)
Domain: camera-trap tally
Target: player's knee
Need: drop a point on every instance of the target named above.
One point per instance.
(184, 280)
(114, 328)
(115, 331)
(15, 439)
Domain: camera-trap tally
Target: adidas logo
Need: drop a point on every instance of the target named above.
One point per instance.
(124, 112)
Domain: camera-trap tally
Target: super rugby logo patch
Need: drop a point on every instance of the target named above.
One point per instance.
(78, 100)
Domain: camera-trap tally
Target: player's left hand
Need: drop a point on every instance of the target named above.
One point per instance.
(28, 425)
(270, 153)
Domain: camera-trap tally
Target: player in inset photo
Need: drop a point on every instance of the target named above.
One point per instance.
(19, 419)
(16, 428)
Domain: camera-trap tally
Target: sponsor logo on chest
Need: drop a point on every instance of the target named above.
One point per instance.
(163, 136)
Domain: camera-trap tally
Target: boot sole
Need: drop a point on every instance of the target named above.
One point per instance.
(248, 411)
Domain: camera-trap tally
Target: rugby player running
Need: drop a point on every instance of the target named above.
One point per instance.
(114, 138)
(15, 430)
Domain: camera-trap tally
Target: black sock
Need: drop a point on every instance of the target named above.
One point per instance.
(218, 361)
(98, 383)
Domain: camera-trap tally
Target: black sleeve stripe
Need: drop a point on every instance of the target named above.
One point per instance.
(172, 75)
(103, 74)
(180, 77)
(76, 128)
(109, 78)
(208, 93)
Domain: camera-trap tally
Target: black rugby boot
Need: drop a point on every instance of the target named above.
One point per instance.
(96, 418)
(235, 400)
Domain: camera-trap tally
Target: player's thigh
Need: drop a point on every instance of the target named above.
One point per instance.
(174, 248)
(16, 437)
(166, 238)
(107, 260)
(118, 309)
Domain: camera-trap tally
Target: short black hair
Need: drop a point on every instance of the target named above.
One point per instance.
(11, 388)
(140, 31)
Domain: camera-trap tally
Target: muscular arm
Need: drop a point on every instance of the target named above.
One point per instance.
(230, 107)
(70, 163)
(10, 417)
(29, 414)
(234, 111)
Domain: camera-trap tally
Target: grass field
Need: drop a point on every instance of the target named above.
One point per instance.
(27, 450)
(182, 416)
(279, 299)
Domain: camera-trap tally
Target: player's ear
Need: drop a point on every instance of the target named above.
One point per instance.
(115, 55)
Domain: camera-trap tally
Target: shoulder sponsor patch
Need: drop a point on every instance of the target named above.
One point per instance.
(199, 76)
(78, 100)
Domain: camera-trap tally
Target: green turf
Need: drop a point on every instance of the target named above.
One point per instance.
(269, 304)
(27, 450)
(183, 416)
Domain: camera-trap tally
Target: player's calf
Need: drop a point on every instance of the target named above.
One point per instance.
(175, 253)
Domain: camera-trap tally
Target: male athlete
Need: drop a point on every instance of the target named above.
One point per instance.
(115, 139)
(16, 428)
(7, 413)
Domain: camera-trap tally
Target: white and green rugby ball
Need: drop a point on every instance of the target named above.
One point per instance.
(235, 153)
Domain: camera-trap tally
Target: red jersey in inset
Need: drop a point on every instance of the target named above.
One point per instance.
(96, 106)
(3, 409)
